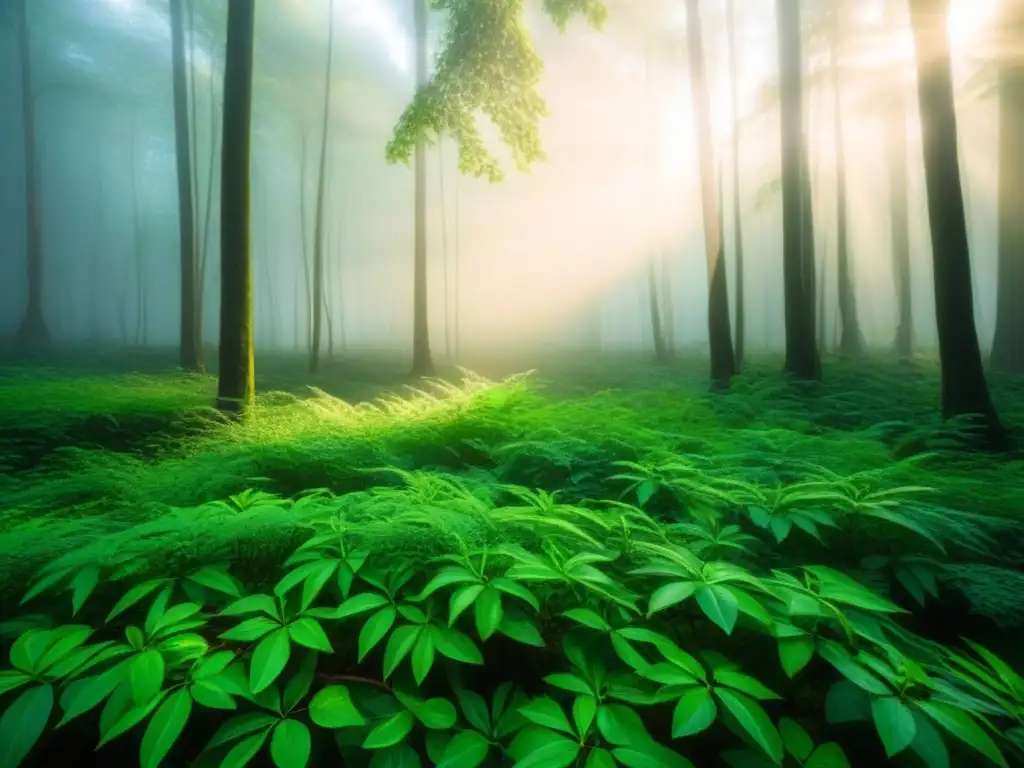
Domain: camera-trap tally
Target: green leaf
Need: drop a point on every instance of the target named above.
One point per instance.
(82, 586)
(583, 710)
(719, 605)
(515, 589)
(474, 708)
(207, 693)
(309, 633)
(928, 743)
(569, 682)
(546, 712)
(165, 728)
(217, 580)
(361, 603)
(795, 653)
(11, 679)
(588, 618)
(399, 645)
(23, 722)
(132, 596)
(455, 645)
(600, 758)
(244, 751)
(753, 720)
(796, 740)
(828, 755)
(157, 608)
(398, 756)
(291, 744)
(423, 656)
(851, 669)
(298, 686)
(964, 727)
(127, 719)
(461, 599)
(694, 712)
(438, 714)
(558, 752)
(253, 604)
(250, 630)
(670, 594)
(521, 629)
(269, 659)
(213, 664)
(653, 756)
(67, 639)
(175, 615)
(436, 742)
(315, 583)
(29, 648)
(621, 726)
(744, 684)
(837, 587)
(488, 612)
(466, 750)
(239, 726)
(846, 703)
(375, 628)
(146, 675)
(894, 722)
(454, 574)
(82, 695)
(390, 732)
(332, 707)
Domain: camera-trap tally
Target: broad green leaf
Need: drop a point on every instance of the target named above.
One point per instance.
(244, 751)
(466, 750)
(253, 604)
(846, 703)
(753, 720)
(423, 656)
(436, 742)
(894, 722)
(828, 755)
(146, 675)
(68, 639)
(375, 628)
(694, 712)
(240, 726)
(488, 612)
(250, 630)
(23, 722)
(213, 664)
(559, 752)
(315, 583)
(390, 732)
(82, 695)
(795, 739)
(399, 645)
(454, 574)
(11, 679)
(837, 587)
(546, 712)
(127, 719)
(588, 618)
(515, 589)
(928, 743)
(290, 744)
(207, 693)
(851, 669)
(134, 595)
(584, 708)
(744, 684)
(964, 727)
(461, 599)
(652, 756)
(669, 595)
(621, 726)
(269, 659)
(600, 758)
(308, 632)
(165, 728)
(82, 585)
(795, 653)
(521, 629)
(29, 648)
(361, 603)
(455, 645)
(332, 707)
(474, 708)
(217, 580)
(398, 756)
(719, 605)
(438, 714)
(568, 682)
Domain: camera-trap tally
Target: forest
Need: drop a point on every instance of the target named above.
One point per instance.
(512, 383)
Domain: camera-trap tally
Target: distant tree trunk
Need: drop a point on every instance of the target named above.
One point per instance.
(801, 353)
(318, 231)
(307, 296)
(668, 320)
(33, 330)
(204, 245)
(236, 386)
(851, 342)
(899, 212)
(964, 389)
(444, 254)
(657, 330)
(457, 298)
(808, 246)
(191, 346)
(1008, 344)
(737, 217)
(422, 365)
(723, 360)
(140, 283)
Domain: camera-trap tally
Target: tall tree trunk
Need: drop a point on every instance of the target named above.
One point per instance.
(457, 298)
(899, 213)
(33, 330)
(204, 245)
(318, 231)
(236, 386)
(422, 365)
(140, 283)
(1008, 344)
(668, 319)
(737, 217)
(191, 346)
(444, 254)
(801, 352)
(964, 389)
(851, 342)
(657, 330)
(723, 360)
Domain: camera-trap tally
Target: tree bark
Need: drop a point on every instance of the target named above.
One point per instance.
(1008, 344)
(657, 329)
(33, 330)
(896, 162)
(317, 299)
(422, 364)
(236, 386)
(723, 360)
(964, 389)
(737, 218)
(191, 345)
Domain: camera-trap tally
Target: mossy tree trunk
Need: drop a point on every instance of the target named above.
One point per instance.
(723, 360)
(236, 385)
(1008, 344)
(190, 325)
(422, 364)
(737, 217)
(33, 330)
(964, 389)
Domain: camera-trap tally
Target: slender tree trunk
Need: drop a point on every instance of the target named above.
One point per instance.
(657, 330)
(964, 389)
(801, 353)
(204, 249)
(1008, 344)
(191, 348)
(851, 343)
(33, 330)
(140, 283)
(737, 217)
(668, 320)
(422, 365)
(723, 360)
(899, 212)
(318, 232)
(457, 298)
(306, 267)
(444, 254)
(236, 386)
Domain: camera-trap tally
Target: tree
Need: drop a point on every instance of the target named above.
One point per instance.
(33, 330)
(191, 339)
(317, 300)
(964, 389)
(802, 358)
(1008, 344)
(422, 365)
(236, 385)
(723, 361)
(737, 218)
(851, 342)
(896, 166)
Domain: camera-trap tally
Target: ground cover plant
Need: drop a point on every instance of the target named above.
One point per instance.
(543, 570)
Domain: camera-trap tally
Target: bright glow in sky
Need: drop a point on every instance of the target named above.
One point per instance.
(380, 21)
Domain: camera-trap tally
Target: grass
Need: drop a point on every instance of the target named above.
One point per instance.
(110, 462)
